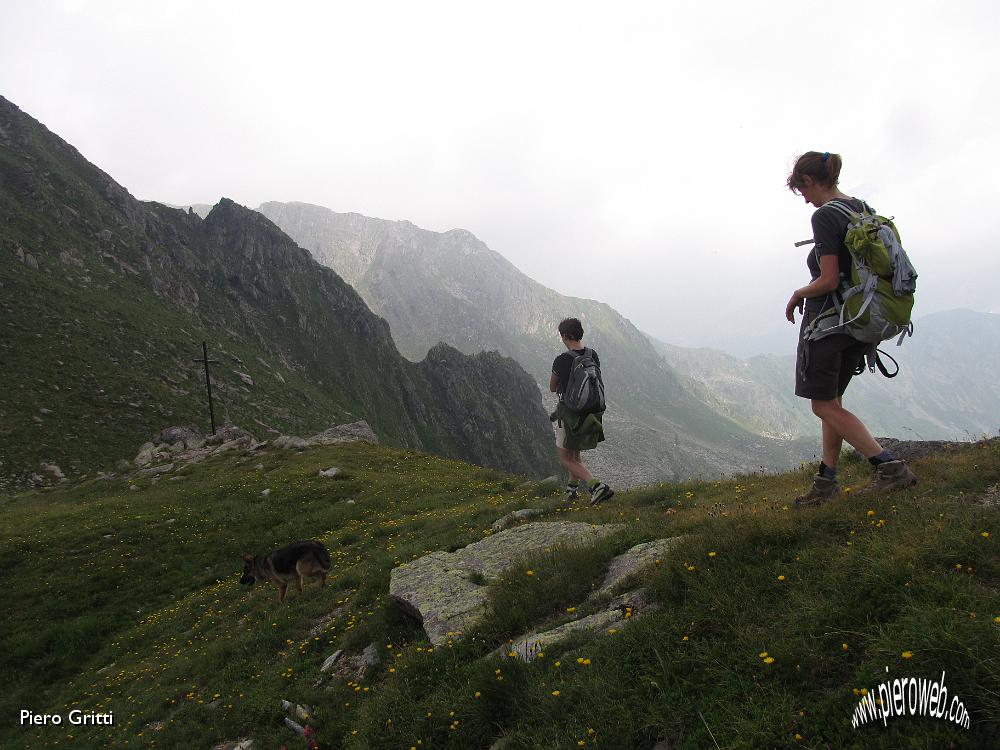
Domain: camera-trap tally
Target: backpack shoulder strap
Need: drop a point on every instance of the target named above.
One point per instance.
(842, 208)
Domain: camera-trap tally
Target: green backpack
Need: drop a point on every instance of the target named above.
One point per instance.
(875, 301)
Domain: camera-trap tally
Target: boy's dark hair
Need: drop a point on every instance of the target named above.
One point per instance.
(823, 168)
(571, 328)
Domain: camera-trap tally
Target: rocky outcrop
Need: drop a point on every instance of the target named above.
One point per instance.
(636, 560)
(345, 433)
(910, 450)
(447, 592)
(619, 612)
(514, 517)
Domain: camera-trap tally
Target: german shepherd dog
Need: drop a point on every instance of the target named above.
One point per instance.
(294, 562)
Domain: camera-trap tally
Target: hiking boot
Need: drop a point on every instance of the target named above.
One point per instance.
(890, 475)
(600, 493)
(821, 491)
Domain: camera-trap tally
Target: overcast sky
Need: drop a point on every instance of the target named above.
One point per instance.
(634, 153)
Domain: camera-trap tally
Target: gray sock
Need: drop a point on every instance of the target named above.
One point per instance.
(881, 458)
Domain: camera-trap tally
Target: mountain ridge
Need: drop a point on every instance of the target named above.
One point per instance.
(111, 291)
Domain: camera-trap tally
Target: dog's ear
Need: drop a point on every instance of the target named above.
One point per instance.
(248, 558)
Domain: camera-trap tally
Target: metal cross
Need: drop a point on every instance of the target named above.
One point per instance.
(208, 380)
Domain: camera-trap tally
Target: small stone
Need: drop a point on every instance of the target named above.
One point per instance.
(294, 727)
(329, 473)
(133, 487)
(292, 442)
(512, 518)
(331, 660)
(369, 657)
(244, 744)
(54, 471)
(266, 492)
(155, 471)
(305, 713)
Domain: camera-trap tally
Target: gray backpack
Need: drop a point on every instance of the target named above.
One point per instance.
(585, 387)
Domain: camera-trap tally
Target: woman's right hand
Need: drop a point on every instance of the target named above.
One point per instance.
(795, 303)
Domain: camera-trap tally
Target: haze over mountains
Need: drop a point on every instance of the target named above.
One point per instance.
(946, 388)
(106, 300)
(686, 411)
(451, 287)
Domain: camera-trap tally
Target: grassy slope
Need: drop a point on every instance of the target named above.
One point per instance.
(114, 606)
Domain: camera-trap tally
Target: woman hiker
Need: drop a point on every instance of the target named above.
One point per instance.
(575, 432)
(824, 367)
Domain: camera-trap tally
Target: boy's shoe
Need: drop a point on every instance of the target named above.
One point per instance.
(600, 493)
(572, 495)
(890, 475)
(821, 491)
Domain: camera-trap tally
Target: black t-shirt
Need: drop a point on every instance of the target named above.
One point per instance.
(829, 229)
(562, 365)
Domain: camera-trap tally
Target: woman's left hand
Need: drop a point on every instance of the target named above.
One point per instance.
(795, 303)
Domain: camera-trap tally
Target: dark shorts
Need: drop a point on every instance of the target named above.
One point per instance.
(824, 368)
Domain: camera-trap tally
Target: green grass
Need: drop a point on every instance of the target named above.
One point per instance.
(129, 601)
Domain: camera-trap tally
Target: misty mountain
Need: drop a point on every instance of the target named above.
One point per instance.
(106, 300)
(451, 287)
(946, 389)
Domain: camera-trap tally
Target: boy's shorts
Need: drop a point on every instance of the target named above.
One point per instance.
(560, 433)
(823, 368)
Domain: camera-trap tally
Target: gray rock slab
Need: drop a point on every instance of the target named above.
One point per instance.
(331, 660)
(292, 442)
(618, 613)
(438, 589)
(640, 557)
(154, 471)
(511, 519)
(345, 433)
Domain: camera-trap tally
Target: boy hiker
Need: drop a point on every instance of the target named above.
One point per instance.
(576, 377)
